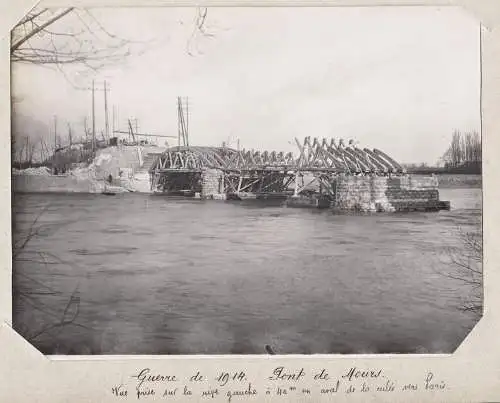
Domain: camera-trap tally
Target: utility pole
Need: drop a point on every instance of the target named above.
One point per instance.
(86, 129)
(106, 110)
(106, 113)
(178, 122)
(55, 134)
(55, 145)
(93, 116)
(187, 121)
(183, 122)
(69, 135)
(114, 113)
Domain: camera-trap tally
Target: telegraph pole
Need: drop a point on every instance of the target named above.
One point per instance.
(187, 121)
(114, 118)
(69, 135)
(55, 133)
(183, 122)
(93, 116)
(86, 130)
(178, 122)
(55, 146)
(106, 110)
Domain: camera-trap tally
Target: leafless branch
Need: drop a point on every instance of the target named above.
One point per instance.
(199, 28)
(38, 29)
(465, 265)
(32, 232)
(31, 16)
(72, 307)
(87, 44)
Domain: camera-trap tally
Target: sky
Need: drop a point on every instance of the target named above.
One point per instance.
(400, 79)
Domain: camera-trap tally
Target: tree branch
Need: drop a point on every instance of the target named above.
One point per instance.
(35, 31)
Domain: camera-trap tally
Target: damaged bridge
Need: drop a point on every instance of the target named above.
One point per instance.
(323, 171)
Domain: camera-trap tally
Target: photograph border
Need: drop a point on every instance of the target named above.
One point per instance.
(471, 373)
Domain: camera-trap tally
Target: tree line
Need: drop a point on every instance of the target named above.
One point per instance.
(464, 149)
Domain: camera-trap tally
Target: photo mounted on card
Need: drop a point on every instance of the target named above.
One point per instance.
(300, 188)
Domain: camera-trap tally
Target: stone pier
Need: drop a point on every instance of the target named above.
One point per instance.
(386, 193)
(212, 184)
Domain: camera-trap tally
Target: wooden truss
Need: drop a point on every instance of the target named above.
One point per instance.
(270, 171)
(325, 155)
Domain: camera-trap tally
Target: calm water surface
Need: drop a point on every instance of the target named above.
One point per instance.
(159, 276)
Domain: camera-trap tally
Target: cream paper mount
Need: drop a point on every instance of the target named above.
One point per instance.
(472, 373)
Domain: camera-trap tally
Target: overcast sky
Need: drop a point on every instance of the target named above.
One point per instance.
(398, 79)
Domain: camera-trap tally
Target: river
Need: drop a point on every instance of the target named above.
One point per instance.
(143, 274)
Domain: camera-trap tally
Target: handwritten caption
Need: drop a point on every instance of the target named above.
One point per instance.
(280, 382)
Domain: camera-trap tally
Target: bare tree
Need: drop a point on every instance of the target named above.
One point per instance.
(84, 40)
(18, 150)
(466, 268)
(86, 130)
(41, 38)
(33, 146)
(464, 148)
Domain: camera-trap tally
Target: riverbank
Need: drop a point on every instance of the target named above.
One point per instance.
(458, 181)
(472, 168)
(22, 183)
(123, 167)
(63, 184)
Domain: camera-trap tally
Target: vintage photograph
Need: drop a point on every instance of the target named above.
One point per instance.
(260, 180)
